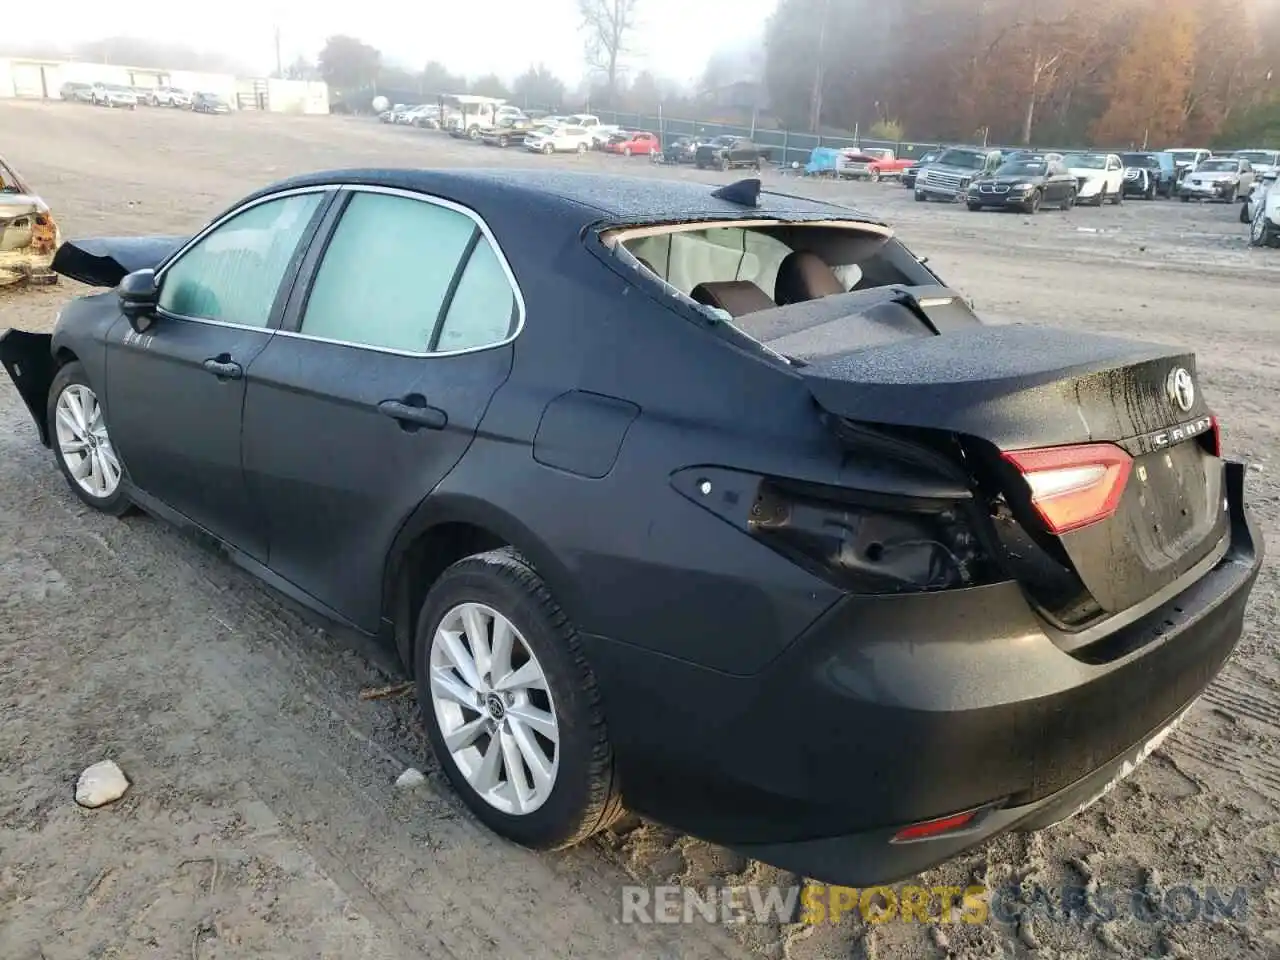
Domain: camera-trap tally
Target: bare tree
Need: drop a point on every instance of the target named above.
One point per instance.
(608, 24)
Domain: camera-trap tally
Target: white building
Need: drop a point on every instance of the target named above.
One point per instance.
(37, 79)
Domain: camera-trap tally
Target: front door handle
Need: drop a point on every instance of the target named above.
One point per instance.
(413, 413)
(224, 368)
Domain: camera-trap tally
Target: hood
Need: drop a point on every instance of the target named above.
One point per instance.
(1087, 172)
(105, 261)
(951, 168)
(1213, 176)
(1010, 179)
(16, 204)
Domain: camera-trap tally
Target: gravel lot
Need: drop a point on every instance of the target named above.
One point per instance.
(263, 818)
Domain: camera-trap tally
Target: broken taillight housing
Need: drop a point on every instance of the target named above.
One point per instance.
(1073, 486)
(865, 547)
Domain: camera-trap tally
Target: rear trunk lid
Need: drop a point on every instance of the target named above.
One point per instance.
(999, 389)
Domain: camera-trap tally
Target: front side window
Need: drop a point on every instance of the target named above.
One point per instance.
(410, 276)
(233, 273)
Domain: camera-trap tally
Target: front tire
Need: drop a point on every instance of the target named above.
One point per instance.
(1119, 197)
(1260, 234)
(626, 151)
(582, 148)
(1244, 212)
(548, 150)
(874, 176)
(511, 705)
(1033, 205)
(974, 207)
(920, 196)
(82, 444)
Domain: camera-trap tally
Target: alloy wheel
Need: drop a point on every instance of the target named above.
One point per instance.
(84, 443)
(1258, 232)
(494, 709)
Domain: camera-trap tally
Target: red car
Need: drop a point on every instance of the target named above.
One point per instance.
(635, 143)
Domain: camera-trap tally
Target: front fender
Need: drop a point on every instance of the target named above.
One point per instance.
(28, 358)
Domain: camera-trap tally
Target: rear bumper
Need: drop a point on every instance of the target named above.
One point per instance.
(889, 711)
(1212, 191)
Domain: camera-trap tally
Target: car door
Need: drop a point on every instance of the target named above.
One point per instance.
(374, 388)
(1054, 187)
(176, 392)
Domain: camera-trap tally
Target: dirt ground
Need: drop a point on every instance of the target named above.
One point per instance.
(263, 820)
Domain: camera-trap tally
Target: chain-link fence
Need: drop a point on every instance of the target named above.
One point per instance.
(788, 146)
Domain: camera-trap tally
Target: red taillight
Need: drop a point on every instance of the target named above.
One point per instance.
(1215, 436)
(927, 829)
(1072, 487)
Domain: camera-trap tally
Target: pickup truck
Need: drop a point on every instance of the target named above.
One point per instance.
(871, 164)
(725, 152)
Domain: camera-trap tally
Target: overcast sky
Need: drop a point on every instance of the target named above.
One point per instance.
(674, 39)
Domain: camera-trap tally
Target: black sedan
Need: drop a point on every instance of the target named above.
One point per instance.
(1025, 184)
(724, 153)
(209, 103)
(790, 551)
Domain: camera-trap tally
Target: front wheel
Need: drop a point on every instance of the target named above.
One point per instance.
(1119, 197)
(874, 176)
(1231, 197)
(1069, 200)
(975, 207)
(582, 148)
(1260, 233)
(81, 443)
(511, 705)
(548, 150)
(920, 196)
(1033, 204)
(1244, 212)
(1185, 199)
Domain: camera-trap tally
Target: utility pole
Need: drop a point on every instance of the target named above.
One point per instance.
(279, 62)
(815, 101)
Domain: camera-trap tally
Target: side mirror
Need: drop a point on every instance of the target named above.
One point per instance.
(138, 295)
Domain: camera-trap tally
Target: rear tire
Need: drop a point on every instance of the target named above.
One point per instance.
(1244, 212)
(1260, 233)
(874, 176)
(1119, 197)
(82, 444)
(578, 793)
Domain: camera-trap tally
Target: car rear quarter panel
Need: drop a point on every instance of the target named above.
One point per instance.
(629, 557)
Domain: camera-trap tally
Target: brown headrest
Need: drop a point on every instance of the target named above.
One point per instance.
(735, 296)
(804, 276)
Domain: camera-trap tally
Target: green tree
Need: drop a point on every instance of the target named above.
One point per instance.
(349, 64)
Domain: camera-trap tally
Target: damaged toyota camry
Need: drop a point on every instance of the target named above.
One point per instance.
(28, 233)
(718, 507)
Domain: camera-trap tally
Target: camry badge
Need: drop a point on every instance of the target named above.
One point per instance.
(1181, 388)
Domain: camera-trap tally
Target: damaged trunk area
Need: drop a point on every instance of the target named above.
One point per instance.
(1093, 462)
(28, 240)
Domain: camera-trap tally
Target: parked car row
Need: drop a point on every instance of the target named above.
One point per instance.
(129, 98)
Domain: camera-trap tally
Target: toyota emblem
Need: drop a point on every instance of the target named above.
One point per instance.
(1181, 388)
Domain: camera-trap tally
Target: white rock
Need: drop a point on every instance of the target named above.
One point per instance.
(411, 778)
(101, 784)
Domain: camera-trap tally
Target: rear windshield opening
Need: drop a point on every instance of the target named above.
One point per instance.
(772, 279)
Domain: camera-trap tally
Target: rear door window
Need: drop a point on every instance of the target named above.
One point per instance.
(410, 276)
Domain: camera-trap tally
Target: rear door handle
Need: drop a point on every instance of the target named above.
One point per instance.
(224, 368)
(413, 413)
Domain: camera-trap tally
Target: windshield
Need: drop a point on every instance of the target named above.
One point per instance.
(1086, 161)
(1218, 166)
(1023, 168)
(929, 158)
(1139, 160)
(963, 158)
(1183, 156)
(1256, 156)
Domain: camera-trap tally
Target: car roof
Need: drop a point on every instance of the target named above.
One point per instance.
(591, 196)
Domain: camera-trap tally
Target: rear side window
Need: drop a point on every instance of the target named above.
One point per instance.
(233, 273)
(411, 276)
